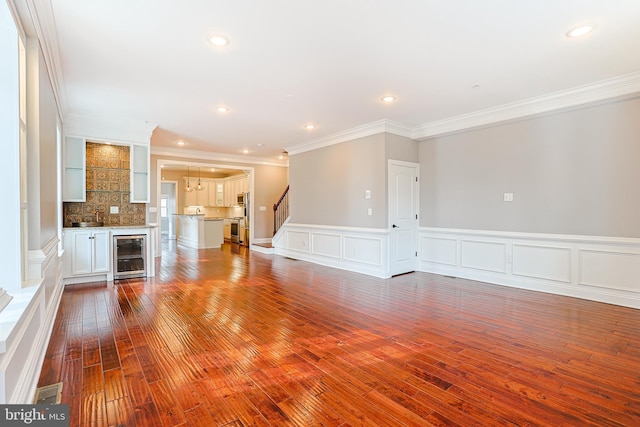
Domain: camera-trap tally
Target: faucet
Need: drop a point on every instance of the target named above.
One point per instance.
(97, 217)
(197, 211)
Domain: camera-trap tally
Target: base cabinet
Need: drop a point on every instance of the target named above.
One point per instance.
(88, 251)
(227, 229)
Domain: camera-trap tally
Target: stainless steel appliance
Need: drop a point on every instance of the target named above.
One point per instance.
(235, 230)
(129, 255)
(241, 226)
(245, 224)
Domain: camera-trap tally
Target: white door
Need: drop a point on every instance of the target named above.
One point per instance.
(403, 216)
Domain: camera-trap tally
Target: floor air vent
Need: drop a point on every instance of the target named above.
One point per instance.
(49, 394)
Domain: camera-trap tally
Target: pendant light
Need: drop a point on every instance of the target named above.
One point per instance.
(188, 189)
(199, 186)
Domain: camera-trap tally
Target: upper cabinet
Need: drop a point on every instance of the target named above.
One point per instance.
(120, 131)
(74, 170)
(216, 192)
(196, 197)
(140, 161)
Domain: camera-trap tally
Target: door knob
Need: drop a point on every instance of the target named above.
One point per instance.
(395, 226)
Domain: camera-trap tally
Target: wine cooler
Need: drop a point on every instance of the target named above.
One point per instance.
(129, 258)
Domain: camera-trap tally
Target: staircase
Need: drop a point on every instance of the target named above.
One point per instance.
(281, 211)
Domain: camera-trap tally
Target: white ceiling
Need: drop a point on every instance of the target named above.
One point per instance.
(292, 62)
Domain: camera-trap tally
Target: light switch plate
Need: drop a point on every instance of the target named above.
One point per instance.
(369, 211)
(367, 194)
(263, 208)
(508, 197)
(114, 209)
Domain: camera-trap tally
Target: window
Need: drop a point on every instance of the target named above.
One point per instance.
(163, 207)
(13, 131)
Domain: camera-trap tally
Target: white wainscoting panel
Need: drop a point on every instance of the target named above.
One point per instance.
(298, 240)
(26, 325)
(542, 262)
(483, 255)
(363, 250)
(325, 244)
(438, 250)
(610, 269)
(605, 269)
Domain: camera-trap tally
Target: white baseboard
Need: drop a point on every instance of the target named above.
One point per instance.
(262, 249)
(605, 269)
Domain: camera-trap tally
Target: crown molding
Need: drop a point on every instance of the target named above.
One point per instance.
(108, 129)
(373, 128)
(218, 157)
(570, 98)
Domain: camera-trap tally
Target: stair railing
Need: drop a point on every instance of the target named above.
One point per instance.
(281, 211)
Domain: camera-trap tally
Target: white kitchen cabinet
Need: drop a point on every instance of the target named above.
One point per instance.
(234, 186)
(227, 229)
(74, 169)
(216, 193)
(195, 197)
(202, 196)
(140, 166)
(87, 252)
(227, 193)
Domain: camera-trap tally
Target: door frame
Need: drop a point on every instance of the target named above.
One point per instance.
(414, 241)
(172, 207)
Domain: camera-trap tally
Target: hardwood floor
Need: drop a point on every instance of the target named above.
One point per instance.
(234, 338)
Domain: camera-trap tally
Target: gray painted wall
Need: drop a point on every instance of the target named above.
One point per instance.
(328, 184)
(575, 172)
(269, 184)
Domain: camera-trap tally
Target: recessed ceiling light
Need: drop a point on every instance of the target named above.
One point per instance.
(281, 156)
(259, 145)
(581, 30)
(180, 142)
(309, 126)
(388, 98)
(213, 169)
(218, 40)
(245, 151)
(222, 109)
(161, 166)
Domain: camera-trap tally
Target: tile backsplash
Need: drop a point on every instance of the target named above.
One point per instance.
(107, 182)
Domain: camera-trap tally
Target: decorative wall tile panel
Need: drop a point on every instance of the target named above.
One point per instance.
(107, 180)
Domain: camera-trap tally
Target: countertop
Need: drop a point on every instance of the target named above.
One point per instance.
(206, 218)
(111, 226)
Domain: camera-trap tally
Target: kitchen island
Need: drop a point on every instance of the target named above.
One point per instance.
(197, 231)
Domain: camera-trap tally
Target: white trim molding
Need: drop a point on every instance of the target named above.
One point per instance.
(363, 250)
(5, 299)
(605, 269)
(220, 157)
(575, 97)
(374, 128)
(109, 129)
